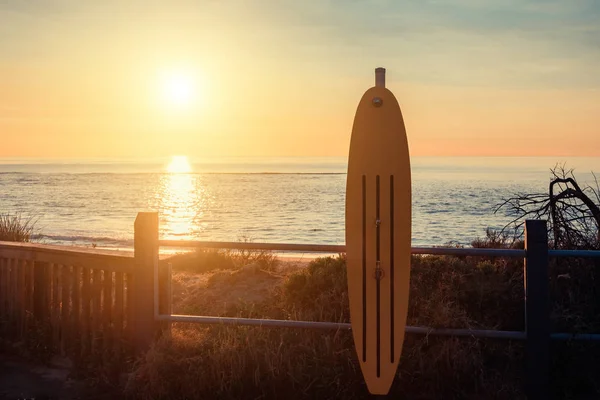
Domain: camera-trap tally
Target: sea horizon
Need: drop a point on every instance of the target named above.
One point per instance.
(281, 164)
(286, 200)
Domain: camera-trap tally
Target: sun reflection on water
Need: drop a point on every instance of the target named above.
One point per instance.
(183, 198)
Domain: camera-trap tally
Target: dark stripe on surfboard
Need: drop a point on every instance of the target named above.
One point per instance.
(392, 269)
(378, 270)
(364, 267)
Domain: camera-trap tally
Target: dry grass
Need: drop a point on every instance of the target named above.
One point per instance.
(206, 260)
(16, 228)
(249, 363)
(216, 362)
(201, 362)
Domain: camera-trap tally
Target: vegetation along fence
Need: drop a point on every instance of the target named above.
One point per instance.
(90, 303)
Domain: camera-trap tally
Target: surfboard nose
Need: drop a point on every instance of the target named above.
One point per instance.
(380, 77)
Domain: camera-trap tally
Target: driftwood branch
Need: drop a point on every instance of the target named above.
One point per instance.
(573, 212)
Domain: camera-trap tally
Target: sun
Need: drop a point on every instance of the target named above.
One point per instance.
(179, 165)
(179, 89)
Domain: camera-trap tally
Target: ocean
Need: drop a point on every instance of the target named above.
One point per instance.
(283, 200)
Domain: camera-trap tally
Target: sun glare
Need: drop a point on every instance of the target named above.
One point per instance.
(179, 90)
(179, 165)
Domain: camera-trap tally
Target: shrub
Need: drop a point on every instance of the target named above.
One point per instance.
(247, 362)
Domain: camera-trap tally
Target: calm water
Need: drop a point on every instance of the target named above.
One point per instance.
(274, 200)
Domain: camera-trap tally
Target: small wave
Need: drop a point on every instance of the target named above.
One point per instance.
(437, 211)
(88, 239)
(26, 180)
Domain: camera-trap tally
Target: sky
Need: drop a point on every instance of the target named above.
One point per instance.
(283, 78)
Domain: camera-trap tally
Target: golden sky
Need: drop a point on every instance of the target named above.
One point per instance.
(283, 78)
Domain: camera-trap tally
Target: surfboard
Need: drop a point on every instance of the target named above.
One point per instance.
(378, 233)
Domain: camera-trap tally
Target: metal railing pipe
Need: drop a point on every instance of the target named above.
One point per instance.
(574, 253)
(575, 336)
(475, 252)
(329, 248)
(199, 319)
(316, 248)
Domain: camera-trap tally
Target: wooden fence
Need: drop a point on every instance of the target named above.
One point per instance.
(75, 303)
(95, 307)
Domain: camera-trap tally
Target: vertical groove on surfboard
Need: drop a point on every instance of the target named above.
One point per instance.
(364, 267)
(378, 270)
(392, 268)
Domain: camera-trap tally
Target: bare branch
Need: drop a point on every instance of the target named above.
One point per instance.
(573, 212)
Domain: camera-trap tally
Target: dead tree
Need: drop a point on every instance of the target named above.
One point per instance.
(573, 213)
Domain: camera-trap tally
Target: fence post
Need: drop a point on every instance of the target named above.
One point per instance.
(145, 327)
(537, 310)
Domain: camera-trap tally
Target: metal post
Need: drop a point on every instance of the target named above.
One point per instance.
(537, 310)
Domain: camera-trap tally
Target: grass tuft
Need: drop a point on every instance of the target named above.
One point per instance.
(16, 228)
(208, 260)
